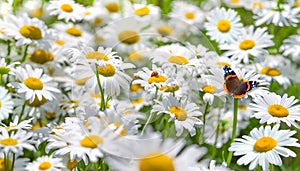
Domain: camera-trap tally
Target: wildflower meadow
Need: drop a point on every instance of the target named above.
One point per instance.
(149, 85)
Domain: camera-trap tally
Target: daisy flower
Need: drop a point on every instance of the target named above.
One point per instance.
(188, 13)
(48, 163)
(278, 14)
(174, 54)
(223, 26)
(151, 79)
(272, 108)
(6, 104)
(29, 31)
(34, 84)
(183, 113)
(66, 9)
(16, 125)
(159, 154)
(264, 146)
(15, 141)
(251, 42)
(145, 12)
(124, 34)
(110, 69)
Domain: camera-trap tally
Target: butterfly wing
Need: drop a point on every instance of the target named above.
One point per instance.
(243, 88)
(231, 80)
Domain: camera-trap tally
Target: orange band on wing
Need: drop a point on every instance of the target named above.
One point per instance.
(239, 96)
(230, 76)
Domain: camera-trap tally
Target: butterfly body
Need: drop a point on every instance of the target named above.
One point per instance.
(234, 86)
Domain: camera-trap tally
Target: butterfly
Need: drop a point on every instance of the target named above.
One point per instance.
(234, 86)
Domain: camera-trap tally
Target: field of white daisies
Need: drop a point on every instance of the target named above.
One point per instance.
(149, 85)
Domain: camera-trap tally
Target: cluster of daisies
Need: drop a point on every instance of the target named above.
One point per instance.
(136, 85)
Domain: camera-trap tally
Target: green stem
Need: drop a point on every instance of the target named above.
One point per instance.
(15, 5)
(271, 167)
(42, 8)
(13, 162)
(235, 115)
(22, 111)
(8, 48)
(103, 106)
(25, 54)
(216, 138)
(147, 122)
(201, 139)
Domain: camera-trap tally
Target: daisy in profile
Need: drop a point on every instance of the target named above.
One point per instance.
(29, 31)
(251, 42)
(279, 69)
(6, 102)
(291, 47)
(34, 84)
(15, 141)
(272, 108)
(264, 146)
(45, 163)
(278, 14)
(184, 113)
(66, 9)
(145, 12)
(223, 26)
(189, 13)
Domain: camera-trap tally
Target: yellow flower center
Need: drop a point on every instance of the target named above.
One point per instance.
(96, 55)
(142, 11)
(37, 125)
(277, 110)
(180, 60)
(107, 71)
(45, 165)
(264, 144)
(87, 13)
(222, 64)
(137, 101)
(66, 8)
(2, 164)
(9, 142)
(165, 30)
(136, 87)
(72, 165)
(36, 102)
(34, 83)
(270, 71)
(112, 7)
(257, 5)
(98, 21)
(234, 2)
(37, 13)
(81, 81)
(157, 79)
(169, 88)
(134, 56)
(117, 126)
(41, 56)
(247, 44)
(189, 15)
(179, 112)
(50, 115)
(224, 26)
(60, 42)
(156, 161)
(91, 141)
(297, 4)
(74, 31)
(129, 37)
(74, 103)
(242, 107)
(31, 32)
(209, 89)
(4, 70)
